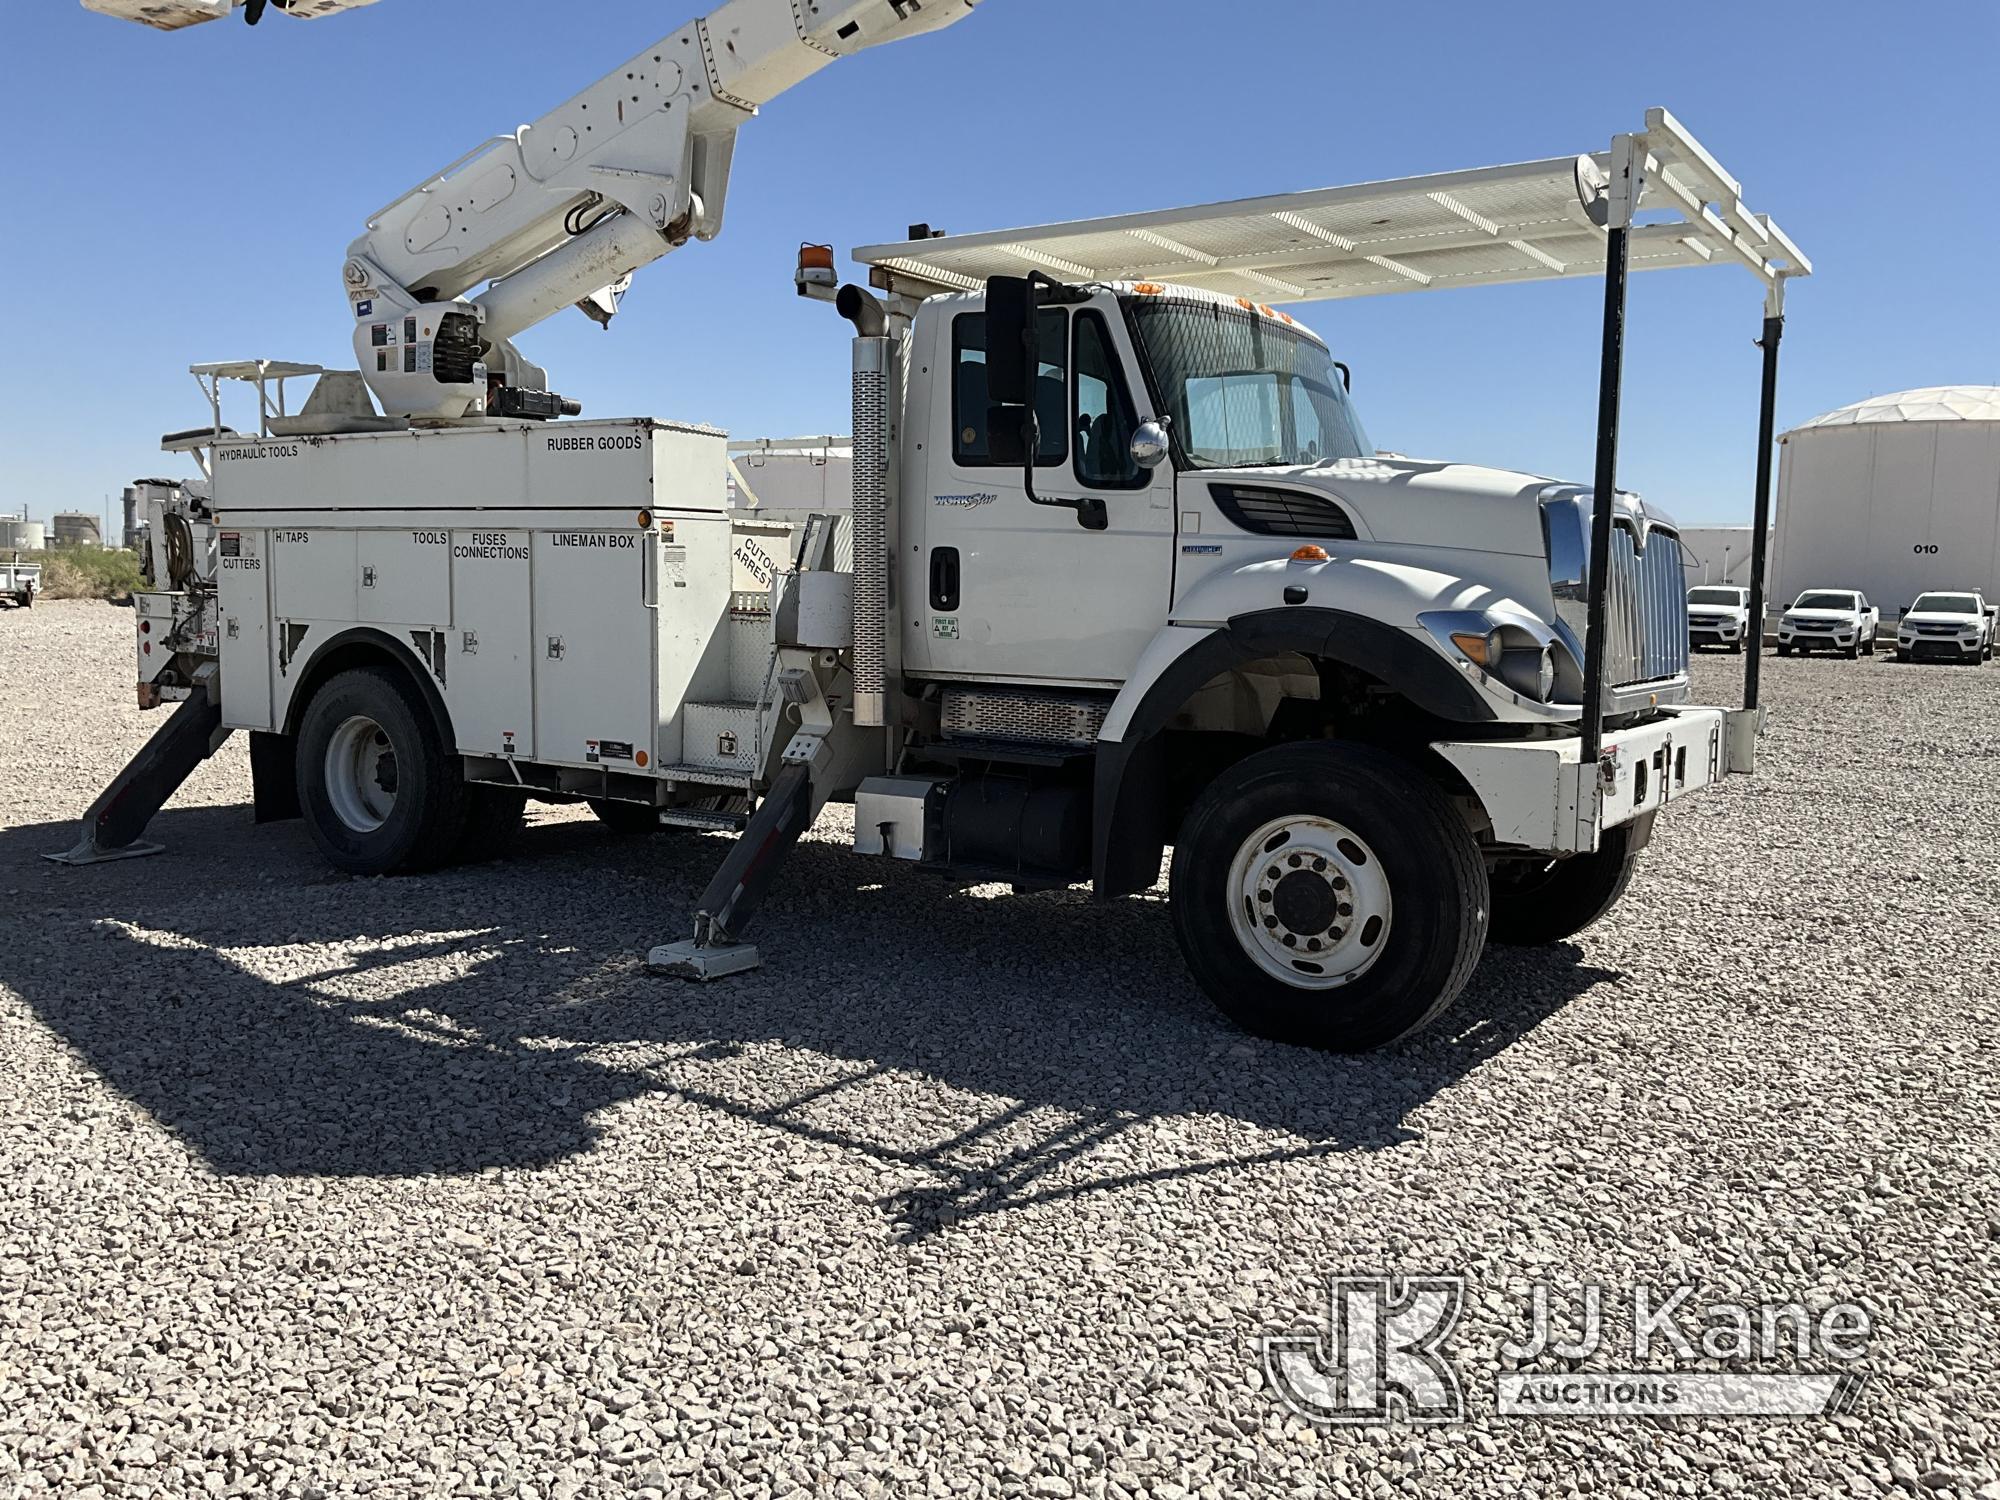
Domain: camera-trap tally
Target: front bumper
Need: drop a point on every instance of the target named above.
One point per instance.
(1539, 795)
(1807, 639)
(1956, 648)
(1722, 632)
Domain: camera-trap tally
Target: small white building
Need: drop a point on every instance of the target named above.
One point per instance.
(1895, 495)
(1716, 554)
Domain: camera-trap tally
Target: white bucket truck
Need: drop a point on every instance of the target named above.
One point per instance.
(1127, 575)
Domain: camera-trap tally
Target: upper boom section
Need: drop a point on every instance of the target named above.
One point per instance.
(564, 210)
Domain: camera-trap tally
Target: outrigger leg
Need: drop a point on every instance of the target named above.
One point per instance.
(738, 889)
(112, 827)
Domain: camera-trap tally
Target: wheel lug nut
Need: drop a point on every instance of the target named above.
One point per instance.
(1271, 923)
(1319, 865)
(1263, 895)
(1346, 910)
(1290, 941)
(1274, 873)
(1295, 861)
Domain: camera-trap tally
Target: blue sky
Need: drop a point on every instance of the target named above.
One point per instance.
(190, 196)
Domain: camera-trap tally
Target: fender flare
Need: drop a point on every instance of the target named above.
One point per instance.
(342, 645)
(1130, 775)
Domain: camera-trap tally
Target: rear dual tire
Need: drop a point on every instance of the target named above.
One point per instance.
(380, 792)
(1327, 895)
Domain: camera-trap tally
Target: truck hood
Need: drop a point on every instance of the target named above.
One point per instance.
(1837, 616)
(1937, 617)
(1417, 502)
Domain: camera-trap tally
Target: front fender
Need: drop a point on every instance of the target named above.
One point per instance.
(1128, 825)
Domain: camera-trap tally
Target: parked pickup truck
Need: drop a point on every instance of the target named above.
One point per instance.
(1955, 627)
(1830, 620)
(19, 583)
(1718, 616)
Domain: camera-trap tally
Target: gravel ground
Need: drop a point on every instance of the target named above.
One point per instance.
(317, 1186)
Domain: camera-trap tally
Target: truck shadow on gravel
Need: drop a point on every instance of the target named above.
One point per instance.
(282, 1020)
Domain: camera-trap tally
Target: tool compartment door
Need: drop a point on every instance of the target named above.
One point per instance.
(490, 684)
(243, 591)
(593, 648)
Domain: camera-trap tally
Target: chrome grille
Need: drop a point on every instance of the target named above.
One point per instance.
(1023, 714)
(1646, 610)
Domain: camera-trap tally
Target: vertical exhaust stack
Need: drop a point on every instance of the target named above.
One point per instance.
(874, 360)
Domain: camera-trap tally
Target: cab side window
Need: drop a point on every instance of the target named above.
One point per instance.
(970, 399)
(1103, 416)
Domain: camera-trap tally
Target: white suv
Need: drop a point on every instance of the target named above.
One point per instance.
(1718, 616)
(1829, 620)
(1953, 627)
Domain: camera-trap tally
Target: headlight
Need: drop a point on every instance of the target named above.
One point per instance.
(1525, 666)
(1530, 671)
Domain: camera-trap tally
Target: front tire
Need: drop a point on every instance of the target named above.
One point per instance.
(1784, 650)
(380, 794)
(1328, 895)
(1537, 902)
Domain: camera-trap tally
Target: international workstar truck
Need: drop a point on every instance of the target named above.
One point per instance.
(1121, 571)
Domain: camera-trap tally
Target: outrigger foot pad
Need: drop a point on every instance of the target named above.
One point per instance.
(87, 853)
(699, 962)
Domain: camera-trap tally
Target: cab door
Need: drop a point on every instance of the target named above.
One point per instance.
(1007, 588)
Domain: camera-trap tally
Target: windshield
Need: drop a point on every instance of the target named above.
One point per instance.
(1946, 604)
(1715, 596)
(1825, 601)
(1246, 391)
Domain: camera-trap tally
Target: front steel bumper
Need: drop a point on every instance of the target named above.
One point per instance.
(1539, 795)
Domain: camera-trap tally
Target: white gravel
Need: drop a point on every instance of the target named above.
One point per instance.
(315, 1186)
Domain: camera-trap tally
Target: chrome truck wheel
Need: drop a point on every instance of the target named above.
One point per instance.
(380, 791)
(1328, 894)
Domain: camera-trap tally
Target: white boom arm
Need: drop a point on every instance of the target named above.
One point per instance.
(563, 211)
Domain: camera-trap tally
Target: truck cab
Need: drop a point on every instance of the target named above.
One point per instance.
(1254, 488)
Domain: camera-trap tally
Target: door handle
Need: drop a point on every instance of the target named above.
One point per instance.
(944, 579)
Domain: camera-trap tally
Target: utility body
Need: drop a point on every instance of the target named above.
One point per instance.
(1120, 570)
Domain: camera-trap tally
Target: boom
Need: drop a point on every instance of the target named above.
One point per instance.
(562, 212)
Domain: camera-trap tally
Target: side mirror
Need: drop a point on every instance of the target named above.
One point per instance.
(1150, 445)
(1012, 357)
(1346, 376)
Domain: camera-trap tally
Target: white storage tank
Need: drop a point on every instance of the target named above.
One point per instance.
(22, 536)
(1894, 496)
